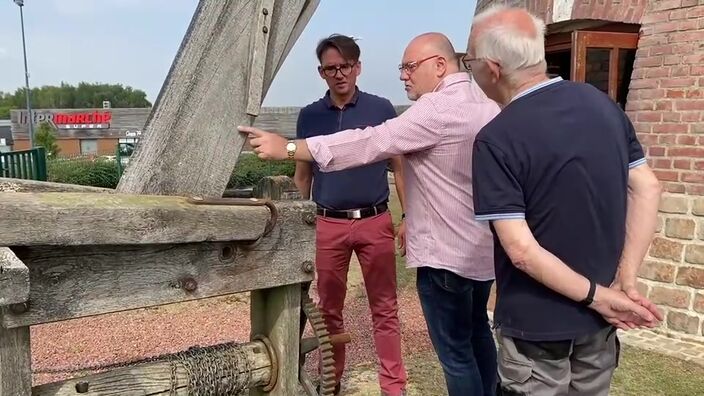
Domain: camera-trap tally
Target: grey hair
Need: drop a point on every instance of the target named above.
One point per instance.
(506, 44)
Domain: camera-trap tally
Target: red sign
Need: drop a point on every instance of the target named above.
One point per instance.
(73, 120)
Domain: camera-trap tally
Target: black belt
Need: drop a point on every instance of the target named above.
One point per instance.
(353, 213)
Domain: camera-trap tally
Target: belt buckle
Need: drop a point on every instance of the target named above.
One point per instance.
(354, 214)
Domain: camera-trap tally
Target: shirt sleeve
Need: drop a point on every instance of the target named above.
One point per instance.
(636, 157)
(497, 192)
(418, 128)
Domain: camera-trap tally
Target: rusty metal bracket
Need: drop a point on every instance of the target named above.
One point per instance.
(242, 202)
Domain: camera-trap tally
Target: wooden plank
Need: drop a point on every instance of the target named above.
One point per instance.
(152, 378)
(260, 41)
(21, 185)
(76, 281)
(14, 278)
(123, 219)
(613, 73)
(275, 313)
(189, 144)
(15, 362)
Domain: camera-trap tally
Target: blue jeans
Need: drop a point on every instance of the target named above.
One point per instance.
(456, 315)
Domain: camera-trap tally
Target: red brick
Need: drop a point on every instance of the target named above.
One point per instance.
(684, 37)
(661, 50)
(660, 163)
(698, 207)
(696, 12)
(656, 151)
(701, 82)
(675, 93)
(679, 71)
(643, 104)
(682, 164)
(697, 59)
(680, 228)
(670, 128)
(693, 177)
(657, 271)
(677, 82)
(696, 70)
(673, 204)
(691, 276)
(697, 152)
(649, 116)
(699, 165)
(666, 27)
(666, 249)
(666, 4)
(692, 116)
(678, 14)
(687, 140)
(695, 93)
(694, 253)
(648, 139)
(653, 17)
(651, 61)
(689, 3)
(667, 139)
(679, 49)
(675, 298)
(689, 105)
(677, 188)
(672, 117)
(667, 175)
(687, 25)
(663, 105)
(699, 302)
(697, 127)
(682, 322)
(670, 60)
(694, 189)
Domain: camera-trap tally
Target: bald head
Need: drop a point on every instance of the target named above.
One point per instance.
(428, 58)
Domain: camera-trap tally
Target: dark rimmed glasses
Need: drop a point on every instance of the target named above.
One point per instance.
(331, 70)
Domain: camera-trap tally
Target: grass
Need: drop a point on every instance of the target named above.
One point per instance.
(640, 372)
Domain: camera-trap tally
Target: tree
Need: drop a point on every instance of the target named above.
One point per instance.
(45, 137)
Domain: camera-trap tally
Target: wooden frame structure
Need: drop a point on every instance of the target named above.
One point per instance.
(166, 235)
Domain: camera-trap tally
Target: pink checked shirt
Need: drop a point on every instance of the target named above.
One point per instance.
(435, 135)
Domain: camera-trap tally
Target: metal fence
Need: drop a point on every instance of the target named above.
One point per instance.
(24, 164)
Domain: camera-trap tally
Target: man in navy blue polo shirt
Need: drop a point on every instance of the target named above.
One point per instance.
(562, 178)
(352, 210)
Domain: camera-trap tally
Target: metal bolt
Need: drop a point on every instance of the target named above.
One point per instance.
(19, 308)
(265, 11)
(189, 284)
(197, 198)
(307, 266)
(82, 387)
(265, 29)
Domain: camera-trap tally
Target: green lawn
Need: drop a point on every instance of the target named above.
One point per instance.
(640, 372)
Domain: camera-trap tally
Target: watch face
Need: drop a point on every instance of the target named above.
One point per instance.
(290, 146)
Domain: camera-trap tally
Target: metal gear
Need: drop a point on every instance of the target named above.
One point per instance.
(321, 341)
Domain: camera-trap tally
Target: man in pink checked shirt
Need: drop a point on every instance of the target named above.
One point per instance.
(452, 252)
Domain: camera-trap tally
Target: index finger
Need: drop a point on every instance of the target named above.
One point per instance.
(250, 130)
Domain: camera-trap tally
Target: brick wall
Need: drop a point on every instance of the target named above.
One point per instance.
(666, 104)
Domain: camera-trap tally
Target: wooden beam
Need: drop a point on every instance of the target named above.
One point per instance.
(14, 278)
(76, 281)
(123, 219)
(15, 362)
(276, 314)
(190, 143)
(152, 378)
(22, 185)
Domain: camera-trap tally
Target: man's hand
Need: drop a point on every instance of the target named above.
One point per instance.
(401, 235)
(267, 145)
(622, 312)
(629, 288)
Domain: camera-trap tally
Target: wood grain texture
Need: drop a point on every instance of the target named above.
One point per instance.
(122, 219)
(190, 143)
(153, 378)
(14, 278)
(77, 281)
(15, 362)
(22, 185)
(276, 314)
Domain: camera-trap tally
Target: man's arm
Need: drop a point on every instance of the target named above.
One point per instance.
(641, 221)
(397, 166)
(303, 178)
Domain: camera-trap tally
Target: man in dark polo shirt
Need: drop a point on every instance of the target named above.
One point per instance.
(352, 210)
(562, 178)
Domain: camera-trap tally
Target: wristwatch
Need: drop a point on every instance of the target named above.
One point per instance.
(291, 148)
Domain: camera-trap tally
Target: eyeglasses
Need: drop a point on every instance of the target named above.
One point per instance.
(331, 70)
(466, 62)
(410, 67)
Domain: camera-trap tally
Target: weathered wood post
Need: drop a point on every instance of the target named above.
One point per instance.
(15, 353)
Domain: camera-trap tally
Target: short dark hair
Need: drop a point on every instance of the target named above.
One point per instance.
(346, 45)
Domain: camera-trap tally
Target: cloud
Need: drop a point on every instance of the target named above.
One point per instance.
(3, 52)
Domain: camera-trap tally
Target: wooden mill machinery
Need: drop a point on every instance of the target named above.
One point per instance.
(166, 235)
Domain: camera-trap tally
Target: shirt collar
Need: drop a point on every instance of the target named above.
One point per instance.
(330, 104)
(537, 87)
(451, 79)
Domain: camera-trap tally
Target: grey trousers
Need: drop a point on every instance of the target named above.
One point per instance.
(583, 366)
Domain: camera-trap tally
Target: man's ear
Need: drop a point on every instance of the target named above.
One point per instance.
(495, 69)
(358, 67)
(440, 66)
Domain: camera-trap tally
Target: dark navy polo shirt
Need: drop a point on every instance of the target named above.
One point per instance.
(354, 188)
(558, 157)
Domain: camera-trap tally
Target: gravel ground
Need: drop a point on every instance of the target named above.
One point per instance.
(133, 335)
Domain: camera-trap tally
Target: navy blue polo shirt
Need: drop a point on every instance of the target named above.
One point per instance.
(361, 187)
(558, 157)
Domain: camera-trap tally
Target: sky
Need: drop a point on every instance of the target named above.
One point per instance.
(133, 42)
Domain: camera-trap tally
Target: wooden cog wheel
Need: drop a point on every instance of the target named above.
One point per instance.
(321, 341)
